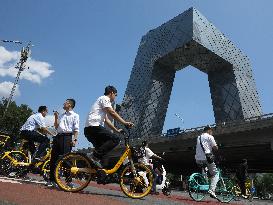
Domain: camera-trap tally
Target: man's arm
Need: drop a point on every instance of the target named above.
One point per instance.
(111, 125)
(40, 121)
(76, 128)
(116, 116)
(151, 154)
(46, 131)
(215, 148)
(56, 122)
(157, 157)
(75, 138)
(213, 144)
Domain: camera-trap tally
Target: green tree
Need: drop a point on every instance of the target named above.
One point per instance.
(264, 184)
(14, 118)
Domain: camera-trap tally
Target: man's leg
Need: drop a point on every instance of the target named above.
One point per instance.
(29, 145)
(91, 134)
(108, 140)
(153, 191)
(54, 157)
(44, 143)
(102, 139)
(242, 186)
(65, 148)
(215, 177)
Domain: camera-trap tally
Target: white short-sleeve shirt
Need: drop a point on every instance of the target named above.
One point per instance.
(148, 154)
(68, 122)
(208, 142)
(34, 122)
(96, 116)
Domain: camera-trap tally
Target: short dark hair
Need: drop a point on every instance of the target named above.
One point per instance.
(110, 89)
(207, 128)
(144, 143)
(72, 102)
(42, 108)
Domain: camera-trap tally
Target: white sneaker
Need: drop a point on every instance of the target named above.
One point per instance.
(12, 174)
(51, 184)
(212, 194)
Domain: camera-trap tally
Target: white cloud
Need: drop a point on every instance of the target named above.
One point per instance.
(38, 70)
(5, 89)
(7, 56)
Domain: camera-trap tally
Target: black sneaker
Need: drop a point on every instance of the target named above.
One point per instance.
(101, 177)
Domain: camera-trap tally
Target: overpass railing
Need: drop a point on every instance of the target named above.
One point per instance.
(219, 128)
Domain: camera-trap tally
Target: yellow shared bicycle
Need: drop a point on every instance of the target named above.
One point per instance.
(4, 138)
(74, 171)
(17, 163)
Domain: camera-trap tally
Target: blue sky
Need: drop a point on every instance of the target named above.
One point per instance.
(83, 46)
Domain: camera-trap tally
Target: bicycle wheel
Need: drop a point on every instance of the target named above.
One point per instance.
(197, 187)
(136, 185)
(225, 190)
(9, 168)
(5, 166)
(73, 172)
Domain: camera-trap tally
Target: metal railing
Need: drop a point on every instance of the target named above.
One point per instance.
(218, 128)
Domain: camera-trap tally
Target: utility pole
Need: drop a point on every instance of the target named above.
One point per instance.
(21, 66)
(180, 118)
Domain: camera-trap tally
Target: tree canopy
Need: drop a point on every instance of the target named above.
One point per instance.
(14, 118)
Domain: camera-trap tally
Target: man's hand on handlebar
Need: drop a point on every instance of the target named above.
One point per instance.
(129, 124)
(120, 131)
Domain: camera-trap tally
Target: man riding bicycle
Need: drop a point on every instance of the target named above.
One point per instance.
(29, 132)
(147, 155)
(103, 139)
(204, 157)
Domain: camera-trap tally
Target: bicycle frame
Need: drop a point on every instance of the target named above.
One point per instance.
(8, 154)
(127, 153)
(4, 141)
(205, 187)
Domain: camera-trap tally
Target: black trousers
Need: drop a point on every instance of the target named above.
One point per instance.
(102, 139)
(62, 144)
(33, 136)
(242, 184)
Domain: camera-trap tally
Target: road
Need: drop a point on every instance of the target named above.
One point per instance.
(34, 192)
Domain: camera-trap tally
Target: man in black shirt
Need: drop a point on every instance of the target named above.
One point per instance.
(241, 175)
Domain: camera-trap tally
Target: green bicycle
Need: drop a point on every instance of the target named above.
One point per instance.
(198, 186)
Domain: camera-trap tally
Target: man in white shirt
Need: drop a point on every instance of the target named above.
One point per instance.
(103, 139)
(205, 146)
(67, 126)
(30, 132)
